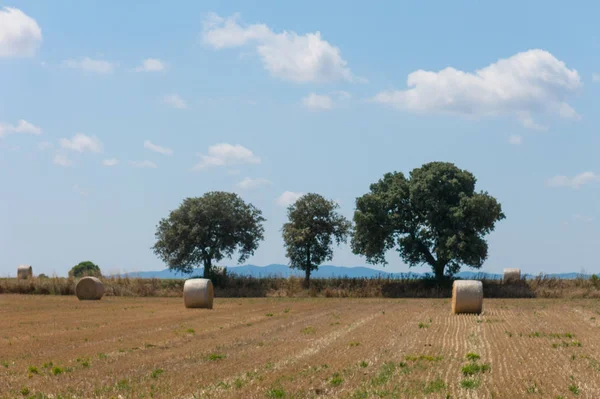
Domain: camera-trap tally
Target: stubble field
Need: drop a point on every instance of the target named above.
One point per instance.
(53, 346)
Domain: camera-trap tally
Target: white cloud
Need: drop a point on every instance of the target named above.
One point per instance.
(287, 198)
(515, 139)
(143, 164)
(110, 162)
(81, 143)
(573, 182)
(156, 148)
(227, 154)
(175, 101)
(90, 65)
(20, 35)
(22, 126)
(249, 183)
(596, 77)
(527, 83)
(317, 102)
(62, 160)
(151, 65)
(286, 55)
(44, 145)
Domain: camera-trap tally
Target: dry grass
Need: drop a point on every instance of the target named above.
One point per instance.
(154, 347)
(239, 286)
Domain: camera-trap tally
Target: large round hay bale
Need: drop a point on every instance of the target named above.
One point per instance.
(24, 272)
(198, 293)
(467, 296)
(511, 275)
(89, 288)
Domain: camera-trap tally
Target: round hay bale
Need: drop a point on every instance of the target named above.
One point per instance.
(467, 296)
(511, 275)
(198, 293)
(24, 272)
(89, 288)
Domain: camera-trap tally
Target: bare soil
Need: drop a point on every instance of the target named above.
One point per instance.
(128, 347)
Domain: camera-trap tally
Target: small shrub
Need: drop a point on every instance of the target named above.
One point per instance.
(25, 391)
(33, 370)
(363, 364)
(336, 380)
(354, 344)
(156, 373)
(308, 330)
(470, 383)
(276, 393)
(434, 386)
(574, 388)
(269, 315)
(216, 356)
(473, 356)
(190, 331)
(57, 370)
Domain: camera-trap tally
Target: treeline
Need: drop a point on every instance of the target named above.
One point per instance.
(234, 286)
(433, 216)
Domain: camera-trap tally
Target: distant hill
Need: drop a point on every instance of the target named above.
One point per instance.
(326, 271)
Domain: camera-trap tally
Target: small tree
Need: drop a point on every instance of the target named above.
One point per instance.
(308, 236)
(434, 217)
(206, 229)
(86, 268)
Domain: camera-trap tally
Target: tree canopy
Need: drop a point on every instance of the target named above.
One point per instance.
(208, 229)
(434, 217)
(314, 225)
(85, 268)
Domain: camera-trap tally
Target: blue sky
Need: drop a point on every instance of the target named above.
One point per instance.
(111, 115)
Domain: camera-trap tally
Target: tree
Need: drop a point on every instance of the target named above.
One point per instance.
(207, 229)
(309, 234)
(433, 217)
(85, 268)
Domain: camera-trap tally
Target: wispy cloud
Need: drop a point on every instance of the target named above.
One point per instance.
(87, 64)
(249, 183)
(223, 154)
(287, 198)
(82, 143)
(143, 164)
(151, 65)
(515, 139)
(156, 148)
(110, 162)
(574, 182)
(62, 160)
(175, 101)
(22, 126)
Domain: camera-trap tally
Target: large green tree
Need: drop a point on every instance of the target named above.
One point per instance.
(434, 217)
(314, 224)
(208, 229)
(85, 268)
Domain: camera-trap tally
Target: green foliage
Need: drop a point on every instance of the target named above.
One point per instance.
(85, 268)
(434, 217)
(216, 356)
(314, 224)
(207, 229)
(156, 373)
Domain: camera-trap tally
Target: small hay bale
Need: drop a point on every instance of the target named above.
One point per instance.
(467, 296)
(24, 272)
(198, 293)
(89, 288)
(511, 275)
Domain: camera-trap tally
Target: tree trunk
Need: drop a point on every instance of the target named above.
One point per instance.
(307, 268)
(438, 269)
(207, 267)
(307, 278)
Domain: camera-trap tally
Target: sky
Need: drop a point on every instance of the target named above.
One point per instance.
(111, 115)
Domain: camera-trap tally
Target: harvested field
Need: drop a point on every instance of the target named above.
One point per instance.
(297, 347)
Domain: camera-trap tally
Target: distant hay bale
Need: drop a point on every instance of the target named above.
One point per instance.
(511, 275)
(24, 272)
(198, 293)
(467, 296)
(89, 288)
